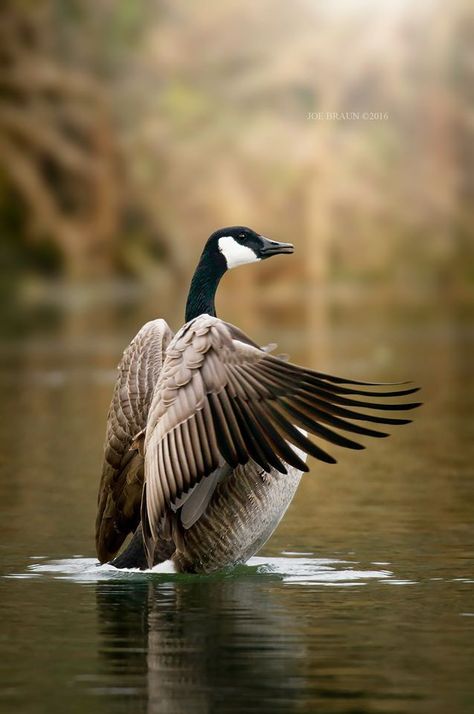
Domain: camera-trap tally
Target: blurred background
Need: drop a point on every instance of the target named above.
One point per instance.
(129, 131)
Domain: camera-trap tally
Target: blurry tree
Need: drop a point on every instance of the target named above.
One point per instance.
(225, 117)
(129, 131)
(57, 149)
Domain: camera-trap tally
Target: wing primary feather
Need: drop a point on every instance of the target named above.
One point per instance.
(224, 439)
(365, 405)
(250, 388)
(343, 380)
(234, 387)
(278, 383)
(347, 413)
(300, 377)
(318, 429)
(297, 438)
(260, 390)
(265, 442)
(336, 380)
(281, 446)
(233, 426)
(310, 411)
(310, 379)
(254, 446)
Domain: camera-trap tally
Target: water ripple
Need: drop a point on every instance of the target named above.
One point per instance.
(299, 570)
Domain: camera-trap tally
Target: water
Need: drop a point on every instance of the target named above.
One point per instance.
(363, 601)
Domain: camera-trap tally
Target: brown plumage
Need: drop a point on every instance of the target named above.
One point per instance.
(121, 484)
(207, 434)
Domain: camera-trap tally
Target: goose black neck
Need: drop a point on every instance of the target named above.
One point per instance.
(204, 285)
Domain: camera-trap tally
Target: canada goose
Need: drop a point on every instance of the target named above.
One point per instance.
(207, 432)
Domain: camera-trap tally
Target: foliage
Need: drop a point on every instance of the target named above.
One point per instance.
(128, 131)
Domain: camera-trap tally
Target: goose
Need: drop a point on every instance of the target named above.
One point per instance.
(208, 432)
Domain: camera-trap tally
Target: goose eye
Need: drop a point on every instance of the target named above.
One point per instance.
(242, 235)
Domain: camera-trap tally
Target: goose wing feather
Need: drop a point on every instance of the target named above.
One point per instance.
(220, 396)
(122, 473)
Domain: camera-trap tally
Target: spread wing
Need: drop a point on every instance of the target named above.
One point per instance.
(220, 397)
(122, 472)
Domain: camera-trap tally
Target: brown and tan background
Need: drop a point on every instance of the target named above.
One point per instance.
(129, 131)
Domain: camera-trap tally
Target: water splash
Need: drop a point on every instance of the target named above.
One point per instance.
(299, 570)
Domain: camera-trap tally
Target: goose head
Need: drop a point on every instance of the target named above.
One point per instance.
(225, 249)
(238, 245)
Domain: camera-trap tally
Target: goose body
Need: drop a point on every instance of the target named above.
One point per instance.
(207, 432)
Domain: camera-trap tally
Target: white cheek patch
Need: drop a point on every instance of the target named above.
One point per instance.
(236, 254)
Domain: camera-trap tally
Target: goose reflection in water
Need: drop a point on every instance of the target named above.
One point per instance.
(196, 645)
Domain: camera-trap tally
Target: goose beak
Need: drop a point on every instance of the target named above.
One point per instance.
(272, 247)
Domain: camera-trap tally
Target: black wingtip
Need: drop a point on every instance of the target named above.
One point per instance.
(326, 458)
(344, 380)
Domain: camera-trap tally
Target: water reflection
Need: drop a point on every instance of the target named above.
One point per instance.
(299, 639)
(232, 642)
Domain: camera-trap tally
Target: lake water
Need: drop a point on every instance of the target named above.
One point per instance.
(363, 600)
